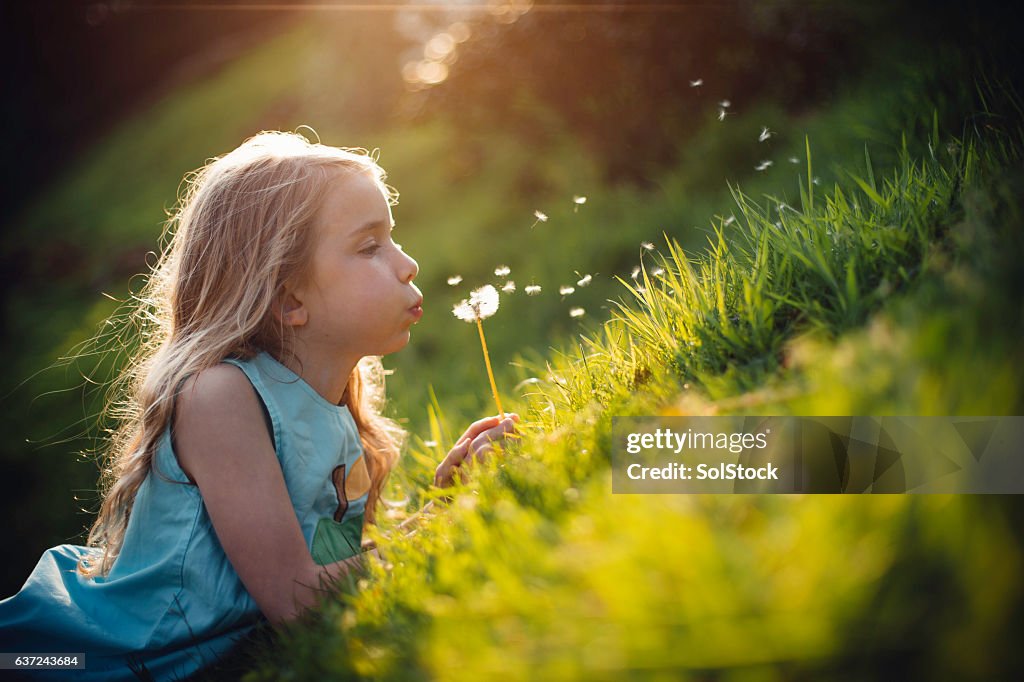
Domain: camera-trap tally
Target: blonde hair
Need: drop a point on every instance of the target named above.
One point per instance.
(242, 230)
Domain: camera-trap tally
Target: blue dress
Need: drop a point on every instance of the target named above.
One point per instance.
(172, 602)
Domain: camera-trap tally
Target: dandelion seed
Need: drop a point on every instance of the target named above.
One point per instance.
(783, 206)
(647, 246)
(532, 289)
(725, 104)
(793, 159)
(721, 114)
(657, 272)
(481, 304)
(641, 290)
(816, 180)
(509, 287)
(527, 382)
(430, 443)
(765, 134)
(566, 290)
(502, 270)
(577, 312)
(697, 83)
(730, 220)
(584, 281)
(577, 202)
(636, 272)
(454, 279)
(763, 165)
(540, 218)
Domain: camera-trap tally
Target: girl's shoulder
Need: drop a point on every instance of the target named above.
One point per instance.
(213, 403)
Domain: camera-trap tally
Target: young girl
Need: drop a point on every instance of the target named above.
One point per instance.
(251, 450)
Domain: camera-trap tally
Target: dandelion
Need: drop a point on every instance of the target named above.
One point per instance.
(657, 272)
(641, 290)
(577, 312)
(721, 114)
(481, 304)
(577, 202)
(566, 290)
(816, 180)
(454, 280)
(509, 287)
(430, 443)
(697, 83)
(532, 289)
(540, 218)
(584, 281)
(725, 104)
(793, 159)
(647, 246)
(730, 220)
(636, 272)
(502, 270)
(765, 134)
(763, 165)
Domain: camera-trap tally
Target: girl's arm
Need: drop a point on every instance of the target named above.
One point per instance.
(222, 444)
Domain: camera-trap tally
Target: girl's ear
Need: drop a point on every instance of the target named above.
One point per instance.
(291, 311)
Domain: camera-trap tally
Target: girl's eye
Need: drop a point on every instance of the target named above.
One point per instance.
(370, 250)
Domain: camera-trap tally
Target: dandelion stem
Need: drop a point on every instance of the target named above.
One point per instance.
(490, 374)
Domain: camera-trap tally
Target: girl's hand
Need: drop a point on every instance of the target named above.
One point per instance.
(474, 445)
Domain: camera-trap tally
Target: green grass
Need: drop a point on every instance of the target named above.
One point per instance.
(888, 293)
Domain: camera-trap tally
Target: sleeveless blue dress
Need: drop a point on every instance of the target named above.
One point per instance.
(172, 603)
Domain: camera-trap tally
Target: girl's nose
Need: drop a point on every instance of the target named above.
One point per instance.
(410, 268)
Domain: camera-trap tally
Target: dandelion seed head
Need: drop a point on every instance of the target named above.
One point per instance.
(577, 312)
(765, 134)
(481, 304)
(641, 290)
(816, 180)
(730, 220)
(636, 272)
(647, 246)
(721, 114)
(509, 287)
(579, 201)
(532, 289)
(502, 270)
(584, 281)
(566, 290)
(793, 159)
(658, 272)
(430, 443)
(725, 104)
(697, 83)
(540, 216)
(763, 165)
(454, 279)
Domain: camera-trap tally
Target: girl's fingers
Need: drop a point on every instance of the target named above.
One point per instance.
(481, 425)
(481, 445)
(474, 445)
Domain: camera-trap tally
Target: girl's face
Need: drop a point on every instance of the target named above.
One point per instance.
(359, 297)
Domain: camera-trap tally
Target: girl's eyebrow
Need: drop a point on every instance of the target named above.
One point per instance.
(370, 227)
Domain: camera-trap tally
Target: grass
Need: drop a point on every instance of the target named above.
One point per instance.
(889, 293)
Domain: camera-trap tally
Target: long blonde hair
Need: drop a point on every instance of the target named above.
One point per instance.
(242, 230)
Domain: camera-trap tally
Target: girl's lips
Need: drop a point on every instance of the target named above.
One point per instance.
(416, 311)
